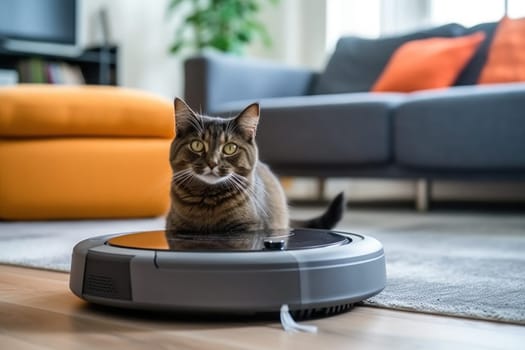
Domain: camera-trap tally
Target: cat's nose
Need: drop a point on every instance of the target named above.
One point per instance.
(212, 164)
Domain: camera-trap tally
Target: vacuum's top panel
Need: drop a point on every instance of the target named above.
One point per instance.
(249, 241)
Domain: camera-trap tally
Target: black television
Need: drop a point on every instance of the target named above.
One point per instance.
(46, 26)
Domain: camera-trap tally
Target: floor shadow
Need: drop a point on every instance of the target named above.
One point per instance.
(197, 318)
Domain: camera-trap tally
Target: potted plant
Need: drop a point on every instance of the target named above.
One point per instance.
(224, 25)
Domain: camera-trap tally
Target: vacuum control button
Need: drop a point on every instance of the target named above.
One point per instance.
(270, 244)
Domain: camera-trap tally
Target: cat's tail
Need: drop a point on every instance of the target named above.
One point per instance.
(328, 219)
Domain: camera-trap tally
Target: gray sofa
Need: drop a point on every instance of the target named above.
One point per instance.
(312, 124)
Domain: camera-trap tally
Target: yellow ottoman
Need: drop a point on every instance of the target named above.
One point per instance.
(83, 152)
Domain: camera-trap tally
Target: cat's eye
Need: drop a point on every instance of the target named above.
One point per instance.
(197, 146)
(229, 148)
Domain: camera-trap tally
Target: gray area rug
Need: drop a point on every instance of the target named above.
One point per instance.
(449, 263)
(453, 263)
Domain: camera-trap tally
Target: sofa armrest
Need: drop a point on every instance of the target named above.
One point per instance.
(215, 78)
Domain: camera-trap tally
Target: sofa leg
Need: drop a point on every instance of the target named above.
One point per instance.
(321, 186)
(422, 194)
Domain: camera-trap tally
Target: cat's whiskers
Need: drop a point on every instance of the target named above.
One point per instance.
(235, 183)
(242, 188)
(230, 127)
(181, 173)
(230, 181)
(259, 207)
(185, 180)
(183, 176)
(201, 122)
(198, 126)
(195, 121)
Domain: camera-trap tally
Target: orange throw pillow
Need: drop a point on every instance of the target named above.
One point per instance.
(427, 63)
(506, 59)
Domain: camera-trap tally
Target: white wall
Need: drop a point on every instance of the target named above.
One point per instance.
(298, 32)
(143, 33)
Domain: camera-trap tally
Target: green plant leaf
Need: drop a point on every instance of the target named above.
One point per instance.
(225, 25)
(173, 4)
(244, 36)
(176, 47)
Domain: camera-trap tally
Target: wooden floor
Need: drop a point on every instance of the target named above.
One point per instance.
(37, 311)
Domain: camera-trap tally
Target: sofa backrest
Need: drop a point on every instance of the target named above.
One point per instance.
(357, 62)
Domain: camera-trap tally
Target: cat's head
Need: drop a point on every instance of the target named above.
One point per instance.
(213, 150)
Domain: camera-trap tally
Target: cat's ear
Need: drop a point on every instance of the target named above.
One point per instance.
(248, 119)
(185, 117)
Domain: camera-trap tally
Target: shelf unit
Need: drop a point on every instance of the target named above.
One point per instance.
(97, 64)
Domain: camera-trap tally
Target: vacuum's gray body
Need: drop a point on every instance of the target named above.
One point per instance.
(330, 277)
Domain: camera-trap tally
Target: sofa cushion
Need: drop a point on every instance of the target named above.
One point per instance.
(329, 129)
(506, 60)
(357, 62)
(56, 111)
(83, 178)
(462, 128)
(471, 72)
(427, 63)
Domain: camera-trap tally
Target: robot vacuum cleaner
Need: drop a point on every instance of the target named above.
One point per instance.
(314, 272)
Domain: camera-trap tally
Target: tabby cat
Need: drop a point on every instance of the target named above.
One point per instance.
(219, 184)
